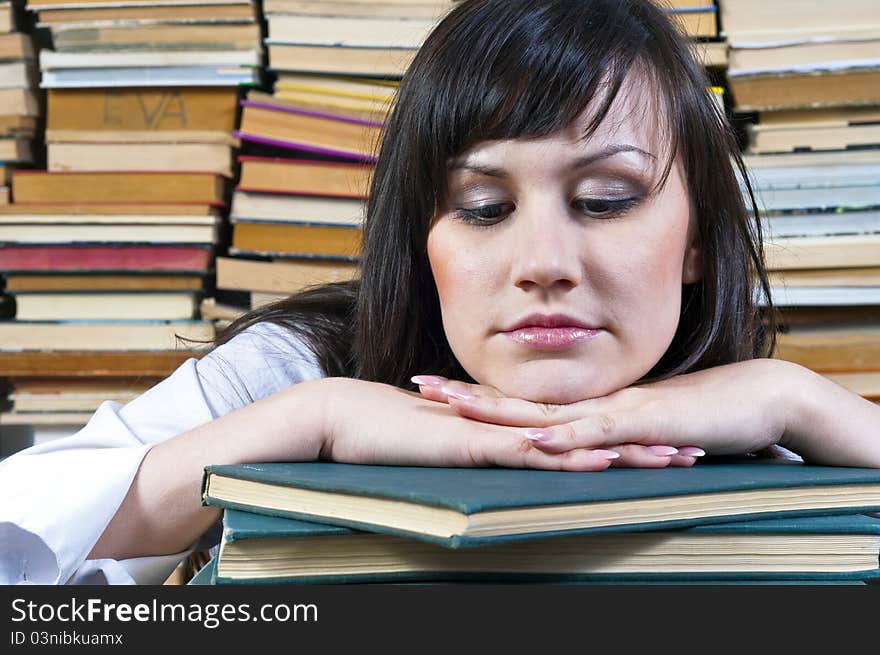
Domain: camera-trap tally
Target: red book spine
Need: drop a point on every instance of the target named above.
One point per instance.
(104, 258)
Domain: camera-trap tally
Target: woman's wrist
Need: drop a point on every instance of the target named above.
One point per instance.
(828, 424)
(788, 392)
(286, 426)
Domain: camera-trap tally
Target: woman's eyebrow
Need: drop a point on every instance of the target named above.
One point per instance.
(580, 162)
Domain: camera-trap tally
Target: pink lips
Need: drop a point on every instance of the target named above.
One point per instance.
(551, 332)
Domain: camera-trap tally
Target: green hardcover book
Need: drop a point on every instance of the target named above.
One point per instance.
(468, 507)
(257, 549)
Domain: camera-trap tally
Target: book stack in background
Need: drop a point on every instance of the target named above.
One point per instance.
(20, 107)
(103, 271)
(309, 146)
(145, 86)
(107, 253)
(740, 521)
(805, 80)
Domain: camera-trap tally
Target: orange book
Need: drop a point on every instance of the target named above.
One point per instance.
(57, 209)
(81, 364)
(205, 115)
(787, 91)
(280, 276)
(277, 175)
(111, 187)
(341, 60)
(189, 12)
(837, 349)
(103, 282)
(297, 240)
(277, 125)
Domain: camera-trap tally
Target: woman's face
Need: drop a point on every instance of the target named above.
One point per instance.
(559, 272)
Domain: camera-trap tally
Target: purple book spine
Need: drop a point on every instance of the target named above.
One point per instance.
(316, 114)
(292, 145)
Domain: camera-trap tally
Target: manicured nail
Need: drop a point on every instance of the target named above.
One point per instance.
(663, 451)
(537, 435)
(691, 451)
(607, 454)
(461, 395)
(428, 380)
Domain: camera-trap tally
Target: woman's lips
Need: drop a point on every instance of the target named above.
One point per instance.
(552, 338)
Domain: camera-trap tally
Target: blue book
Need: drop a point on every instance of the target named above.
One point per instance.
(471, 506)
(260, 549)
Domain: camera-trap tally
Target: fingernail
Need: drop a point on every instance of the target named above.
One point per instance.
(461, 395)
(537, 435)
(691, 451)
(607, 454)
(428, 380)
(663, 451)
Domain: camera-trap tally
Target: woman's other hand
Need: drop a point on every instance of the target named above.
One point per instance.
(732, 409)
(487, 404)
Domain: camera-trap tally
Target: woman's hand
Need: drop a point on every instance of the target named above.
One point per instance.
(733, 409)
(372, 423)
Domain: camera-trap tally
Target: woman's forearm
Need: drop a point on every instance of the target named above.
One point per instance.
(162, 512)
(829, 424)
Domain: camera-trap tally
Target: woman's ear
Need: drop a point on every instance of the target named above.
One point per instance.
(692, 266)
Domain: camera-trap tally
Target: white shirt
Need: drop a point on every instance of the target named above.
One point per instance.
(57, 498)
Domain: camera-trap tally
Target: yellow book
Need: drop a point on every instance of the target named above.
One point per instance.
(320, 102)
(345, 87)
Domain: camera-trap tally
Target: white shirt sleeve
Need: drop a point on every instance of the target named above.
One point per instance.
(59, 496)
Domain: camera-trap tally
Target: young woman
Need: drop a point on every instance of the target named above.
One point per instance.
(556, 246)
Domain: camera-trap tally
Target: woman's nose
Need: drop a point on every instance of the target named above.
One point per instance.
(547, 249)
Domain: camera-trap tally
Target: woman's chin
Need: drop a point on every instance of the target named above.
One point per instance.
(555, 393)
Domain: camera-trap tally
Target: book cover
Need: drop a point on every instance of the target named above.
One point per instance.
(473, 506)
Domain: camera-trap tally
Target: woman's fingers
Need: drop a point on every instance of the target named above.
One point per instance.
(589, 435)
(600, 430)
(638, 456)
(441, 389)
(430, 386)
(520, 453)
(502, 410)
(683, 461)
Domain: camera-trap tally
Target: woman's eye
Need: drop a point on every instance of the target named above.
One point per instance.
(486, 214)
(604, 207)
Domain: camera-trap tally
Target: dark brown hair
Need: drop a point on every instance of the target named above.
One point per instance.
(502, 69)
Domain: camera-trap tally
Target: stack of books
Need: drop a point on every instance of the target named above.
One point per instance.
(359, 37)
(145, 88)
(134, 43)
(107, 253)
(19, 103)
(103, 272)
(296, 223)
(805, 81)
(309, 146)
(723, 521)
